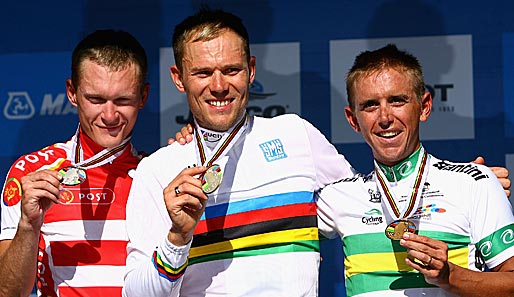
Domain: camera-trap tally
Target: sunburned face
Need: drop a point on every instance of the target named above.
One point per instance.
(108, 102)
(387, 112)
(216, 75)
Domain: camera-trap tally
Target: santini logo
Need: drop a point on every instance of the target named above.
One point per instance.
(465, 168)
(273, 150)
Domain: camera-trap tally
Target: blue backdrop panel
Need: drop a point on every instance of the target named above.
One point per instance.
(38, 37)
(35, 110)
(508, 83)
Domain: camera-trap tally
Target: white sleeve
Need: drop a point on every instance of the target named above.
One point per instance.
(328, 202)
(10, 217)
(329, 164)
(154, 266)
(492, 220)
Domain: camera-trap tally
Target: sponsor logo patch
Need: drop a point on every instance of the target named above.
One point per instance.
(94, 196)
(429, 208)
(374, 211)
(373, 217)
(12, 192)
(469, 169)
(374, 196)
(273, 150)
(209, 136)
(428, 193)
(66, 197)
(425, 212)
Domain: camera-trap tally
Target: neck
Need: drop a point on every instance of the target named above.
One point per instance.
(212, 137)
(402, 169)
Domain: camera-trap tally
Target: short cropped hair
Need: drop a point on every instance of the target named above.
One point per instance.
(389, 56)
(115, 50)
(206, 25)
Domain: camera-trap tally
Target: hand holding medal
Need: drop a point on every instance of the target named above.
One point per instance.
(429, 256)
(185, 202)
(39, 190)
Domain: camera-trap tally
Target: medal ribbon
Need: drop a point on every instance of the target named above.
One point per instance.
(415, 195)
(99, 159)
(223, 145)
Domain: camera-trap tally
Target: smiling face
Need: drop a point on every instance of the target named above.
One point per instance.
(108, 101)
(387, 112)
(215, 75)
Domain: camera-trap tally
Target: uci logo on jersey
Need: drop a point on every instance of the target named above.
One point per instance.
(273, 150)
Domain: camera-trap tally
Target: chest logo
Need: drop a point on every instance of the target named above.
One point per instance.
(273, 150)
(95, 196)
(373, 217)
(374, 196)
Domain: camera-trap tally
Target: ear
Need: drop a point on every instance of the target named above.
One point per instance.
(252, 68)
(426, 106)
(352, 119)
(177, 78)
(144, 99)
(71, 92)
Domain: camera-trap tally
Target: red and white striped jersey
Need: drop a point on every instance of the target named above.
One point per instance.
(82, 247)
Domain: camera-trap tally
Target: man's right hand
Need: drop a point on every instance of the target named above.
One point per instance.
(185, 202)
(185, 135)
(40, 190)
(501, 173)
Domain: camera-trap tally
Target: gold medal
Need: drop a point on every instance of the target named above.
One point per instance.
(396, 229)
(72, 176)
(401, 224)
(211, 179)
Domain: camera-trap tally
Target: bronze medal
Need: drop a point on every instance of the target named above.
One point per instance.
(396, 229)
(211, 179)
(72, 176)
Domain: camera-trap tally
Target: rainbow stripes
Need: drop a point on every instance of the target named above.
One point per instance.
(272, 224)
(165, 270)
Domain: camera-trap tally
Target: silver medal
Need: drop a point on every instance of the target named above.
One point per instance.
(211, 179)
(72, 176)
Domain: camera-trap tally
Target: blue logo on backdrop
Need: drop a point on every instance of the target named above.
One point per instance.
(257, 91)
(34, 109)
(273, 150)
(19, 106)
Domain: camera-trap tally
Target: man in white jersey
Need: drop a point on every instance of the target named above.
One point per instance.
(244, 187)
(416, 225)
(63, 207)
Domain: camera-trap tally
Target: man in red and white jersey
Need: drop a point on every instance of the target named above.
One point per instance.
(63, 207)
